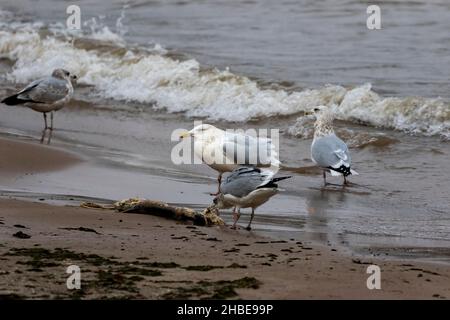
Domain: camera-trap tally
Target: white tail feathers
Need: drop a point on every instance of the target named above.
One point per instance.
(335, 173)
(354, 172)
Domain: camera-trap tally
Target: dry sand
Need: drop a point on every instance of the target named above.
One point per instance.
(142, 256)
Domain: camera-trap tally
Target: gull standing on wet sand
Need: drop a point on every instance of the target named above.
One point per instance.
(327, 150)
(225, 151)
(247, 187)
(45, 95)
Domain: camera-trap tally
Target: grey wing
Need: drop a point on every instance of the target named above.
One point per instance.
(330, 151)
(47, 90)
(248, 150)
(243, 181)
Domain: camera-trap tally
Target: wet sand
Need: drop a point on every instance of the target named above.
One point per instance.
(141, 256)
(21, 158)
(397, 207)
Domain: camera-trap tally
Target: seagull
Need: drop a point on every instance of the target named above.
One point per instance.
(247, 187)
(45, 95)
(328, 151)
(225, 151)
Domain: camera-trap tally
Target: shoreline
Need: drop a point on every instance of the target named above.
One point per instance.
(148, 69)
(127, 157)
(142, 256)
(146, 257)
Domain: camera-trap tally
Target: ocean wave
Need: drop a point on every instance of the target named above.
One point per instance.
(303, 128)
(162, 82)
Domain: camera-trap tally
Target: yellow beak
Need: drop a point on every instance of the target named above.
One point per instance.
(185, 135)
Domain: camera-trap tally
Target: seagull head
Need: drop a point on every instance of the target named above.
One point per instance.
(201, 131)
(324, 120)
(64, 75)
(316, 111)
(73, 79)
(219, 201)
(322, 113)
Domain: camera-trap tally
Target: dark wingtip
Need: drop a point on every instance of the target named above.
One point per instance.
(281, 178)
(12, 100)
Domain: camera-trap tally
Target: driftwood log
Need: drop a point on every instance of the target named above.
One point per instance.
(208, 217)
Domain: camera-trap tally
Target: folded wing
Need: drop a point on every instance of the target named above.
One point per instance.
(244, 180)
(248, 150)
(48, 90)
(332, 153)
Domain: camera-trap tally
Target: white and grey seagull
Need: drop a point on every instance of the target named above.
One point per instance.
(45, 95)
(225, 151)
(247, 187)
(328, 151)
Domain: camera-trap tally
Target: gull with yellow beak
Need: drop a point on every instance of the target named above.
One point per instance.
(225, 151)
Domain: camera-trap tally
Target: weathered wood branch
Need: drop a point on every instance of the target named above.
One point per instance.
(207, 217)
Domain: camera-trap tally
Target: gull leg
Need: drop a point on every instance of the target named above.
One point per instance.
(345, 181)
(50, 134)
(45, 128)
(51, 121)
(236, 216)
(43, 135)
(251, 219)
(324, 178)
(45, 120)
(219, 181)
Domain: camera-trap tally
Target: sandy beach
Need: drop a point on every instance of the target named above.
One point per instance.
(147, 70)
(142, 256)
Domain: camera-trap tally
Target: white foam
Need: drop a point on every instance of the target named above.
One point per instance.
(181, 86)
(413, 114)
(99, 31)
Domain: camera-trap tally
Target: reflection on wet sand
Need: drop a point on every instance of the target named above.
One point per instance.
(49, 137)
(318, 203)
